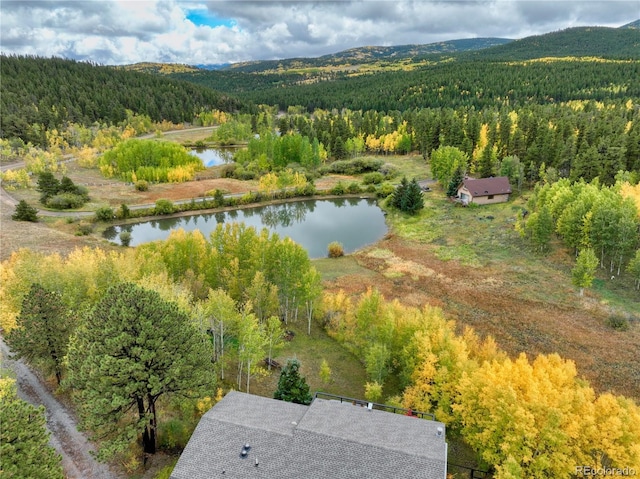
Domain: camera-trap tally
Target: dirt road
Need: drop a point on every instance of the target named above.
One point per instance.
(72, 445)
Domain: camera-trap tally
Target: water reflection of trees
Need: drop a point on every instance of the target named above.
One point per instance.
(112, 232)
(285, 214)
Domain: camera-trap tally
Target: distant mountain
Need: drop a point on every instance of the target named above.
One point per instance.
(162, 68)
(212, 66)
(367, 55)
(635, 24)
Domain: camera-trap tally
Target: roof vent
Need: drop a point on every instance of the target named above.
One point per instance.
(439, 431)
(245, 451)
(370, 406)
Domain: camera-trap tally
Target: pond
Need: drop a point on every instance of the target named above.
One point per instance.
(354, 222)
(215, 156)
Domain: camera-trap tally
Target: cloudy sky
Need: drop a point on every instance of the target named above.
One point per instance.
(115, 32)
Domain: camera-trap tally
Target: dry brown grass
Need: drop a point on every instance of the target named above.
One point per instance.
(491, 300)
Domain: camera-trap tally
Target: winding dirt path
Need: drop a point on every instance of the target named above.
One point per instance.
(72, 445)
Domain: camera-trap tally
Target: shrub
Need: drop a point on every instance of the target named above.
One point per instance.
(389, 171)
(374, 178)
(25, 212)
(65, 201)
(384, 190)
(228, 170)
(142, 185)
(125, 212)
(335, 249)
(618, 323)
(84, 229)
(338, 189)
(353, 167)
(307, 190)
(354, 187)
(164, 207)
(104, 213)
(241, 173)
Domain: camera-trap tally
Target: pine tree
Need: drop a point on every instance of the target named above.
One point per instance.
(25, 212)
(134, 348)
(43, 328)
(456, 181)
(413, 200)
(24, 439)
(399, 193)
(48, 186)
(291, 386)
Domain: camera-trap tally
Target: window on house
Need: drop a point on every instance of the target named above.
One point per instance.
(490, 197)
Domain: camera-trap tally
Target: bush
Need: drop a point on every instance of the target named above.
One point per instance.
(374, 178)
(164, 207)
(241, 173)
(335, 249)
(353, 167)
(338, 189)
(174, 434)
(142, 185)
(385, 190)
(65, 201)
(618, 323)
(389, 171)
(84, 229)
(228, 170)
(25, 212)
(125, 212)
(105, 214)
(354, 187)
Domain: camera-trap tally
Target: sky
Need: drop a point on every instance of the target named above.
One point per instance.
(117, 32)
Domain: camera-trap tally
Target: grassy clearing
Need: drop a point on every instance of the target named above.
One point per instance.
(332, 268)
(347, 372)
(411, 166)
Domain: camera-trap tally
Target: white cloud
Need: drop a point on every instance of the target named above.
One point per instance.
(128, 31)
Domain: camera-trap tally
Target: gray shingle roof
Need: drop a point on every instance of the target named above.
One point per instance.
(327, 439)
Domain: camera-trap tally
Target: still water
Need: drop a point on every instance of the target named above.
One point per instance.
(354, 222)
(215, 156)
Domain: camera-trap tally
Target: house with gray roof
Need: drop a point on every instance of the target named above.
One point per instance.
(484, 191)
(247, 436)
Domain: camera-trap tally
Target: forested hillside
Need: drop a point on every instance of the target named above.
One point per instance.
(575, 64)
(369, 54)
(38, 94)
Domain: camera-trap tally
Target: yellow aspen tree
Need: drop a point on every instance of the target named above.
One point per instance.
(268, 184)
(614, 440)
(525, 418)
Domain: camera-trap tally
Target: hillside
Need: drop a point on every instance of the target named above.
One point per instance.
(366, 55)
(611, 43)
(37, 94)
(575, 64)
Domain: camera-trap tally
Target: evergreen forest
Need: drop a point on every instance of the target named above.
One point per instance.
(144, 340)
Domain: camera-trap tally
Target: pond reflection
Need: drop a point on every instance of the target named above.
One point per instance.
(215, 156)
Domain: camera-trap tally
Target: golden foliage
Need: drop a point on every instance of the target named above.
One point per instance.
(630, 191)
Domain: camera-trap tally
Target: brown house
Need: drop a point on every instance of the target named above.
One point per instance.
(484, 191)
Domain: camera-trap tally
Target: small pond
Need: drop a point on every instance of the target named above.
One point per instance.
(354, 222)
(215, 156)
